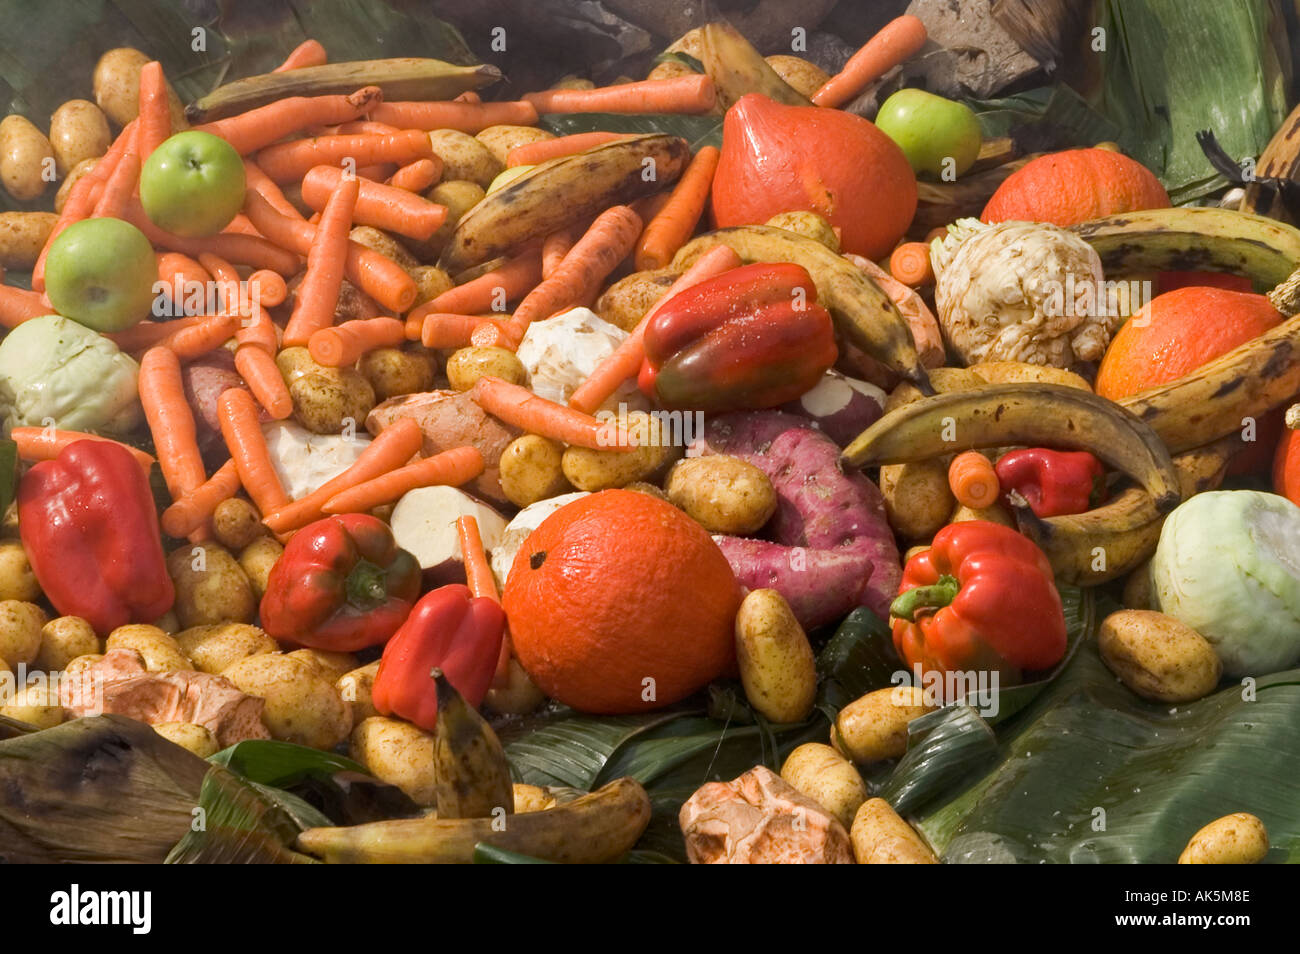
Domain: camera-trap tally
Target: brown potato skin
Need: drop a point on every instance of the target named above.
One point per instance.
(1158, 657)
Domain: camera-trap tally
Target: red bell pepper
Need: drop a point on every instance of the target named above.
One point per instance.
(982, 598)
(90, 528)
(449, 629)
(752, 337)
(1054, 483)
(341, 584)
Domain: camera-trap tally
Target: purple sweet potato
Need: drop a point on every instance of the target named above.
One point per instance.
(840, 406)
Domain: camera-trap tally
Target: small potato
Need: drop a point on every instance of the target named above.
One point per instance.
(355, 688)
(881, 837)
(384, 244)
(237, 523)
(78, 131)
(1017, 372)
(17, 581)
(1236, 839)
(20, 631)
(594, 470)
(34, 704)
(645, 487)
(532, 798)
(776, 662)
(334, 664)
(160, 652)
(826, 777)
(798, 73)
(808, 224)
(519, 696)
(216, 647)
(1158, 657)
(626, 301)
(63, 640)
(211, 587)
(302, 705)
(943, 381)
(430, 282)
(918, 500)
(531, 470)
(26, 159)
(464, 158)
(398, 753)
(723, 494)
(994, 514)
(914, 551)
(392, 371)
(22, 236)
(82, 663)
(499, 140)
(571, 81)
(65, 187)
(1139, 593)
(257, 559)
(116, 84)
(467, 365)
(459, 196)
(168, 623)
(196, 738)
(873, 727)
(325, 399)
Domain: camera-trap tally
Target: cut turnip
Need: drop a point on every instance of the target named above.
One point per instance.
(518, 529)
(424, 524)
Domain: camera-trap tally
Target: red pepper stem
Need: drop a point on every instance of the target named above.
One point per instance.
(366, 586)
(922, 598)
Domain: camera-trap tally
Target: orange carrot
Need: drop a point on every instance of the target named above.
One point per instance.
(530, 154)
(306, 53)
(649, 206)
(896, 41)
(910, 264)
(451, 468)
(478, 572)
(147, 334)
(256, 128)
(318, 293)
(440, 330)
(195, 509)
(182, 275)
(669, 230)
(359, 126)
(267, 288)
(255, 178)
(197, 340)
(343, 345)
(226, 281)
(241, 249)
(240, 225)
(256, 365)
(394, 446)
(382, 206)
(46, 443)
(466, 117)
(418, 175)
(469, 96)
(626, 360)
(490, 291)
(973, 481)
(522, 408)
(381, 172)
(155, 111)
(243, 435)
(289, 161)
(939, 231)
(692, 93)
(554, 247)
(171, 422)
(256, 328)
(18, 305)
(120, 184)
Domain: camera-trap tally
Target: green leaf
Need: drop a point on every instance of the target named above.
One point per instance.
(699, 131)
(858, 659)
(942, 747)
(1055, 115)
(8, 473)
(685, 59)
(238, 822)
(281, 764)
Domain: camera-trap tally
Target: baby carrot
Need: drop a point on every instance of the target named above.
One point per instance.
(290, 161)
(490, 291)
(381, 206)
(418, 175)
(306, 53)
(897, 41)
(241, 249)
(463, 116)
(195, 509)
(530, 154)
(256, 365)
(243, 435)
(342, 345)
(973, 481)
(910, 264)
(197, 340)
(522, 408)
(45, 443)
(171, 422)
(669, 230)
(318, 293)
(155, 111)
(451, 468)
(256, 128)
(692, 93)
(18, 304)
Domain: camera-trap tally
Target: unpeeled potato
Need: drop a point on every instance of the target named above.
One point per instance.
(873, 727)
(1236, 839)
(777, 667)
(1157, 656)
(78, 131)
(26, 158)
(499, 140)
(826, 777)
(116, 84)
(880, 836)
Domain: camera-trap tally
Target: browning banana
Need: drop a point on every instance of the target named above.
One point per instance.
(736, 68)
(472, 776)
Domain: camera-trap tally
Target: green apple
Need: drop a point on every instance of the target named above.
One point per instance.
(192, 184)
(101, 273)
(938, 136)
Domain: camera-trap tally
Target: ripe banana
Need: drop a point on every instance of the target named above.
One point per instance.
(736, 68)
(1219, 240)
(1000, 415)
(863, 313)
(472, 776)
(563, 191)
(595, 828)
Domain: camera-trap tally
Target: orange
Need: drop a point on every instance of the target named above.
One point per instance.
(1286, 466)
(619, 603)
(1065, 188)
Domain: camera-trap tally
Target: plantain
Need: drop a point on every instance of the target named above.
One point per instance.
(939, 203)
(863, 313)
(471, 774)
(562, 191)
(594, 828)
(736, 68)
(999, 415)
(402, 78)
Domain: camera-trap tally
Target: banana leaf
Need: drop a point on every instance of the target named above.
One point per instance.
(699, 131)
(281, 764)
(241, 822)
(1049, 117)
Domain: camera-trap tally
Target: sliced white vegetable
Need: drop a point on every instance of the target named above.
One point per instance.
(561, 352)
(424, 523)
(303, 460)
(518, 529)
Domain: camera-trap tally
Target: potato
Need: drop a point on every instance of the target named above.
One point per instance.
(160, 652)
(65, 187)
(645, 487)
(572, 81)
(168, 623)
(216, 647)
(1139, 592)
(430, 282)
(531, 470)
(467, 365)
(26, 159)
(116, 84)
(499, 140)
(22, 236)
(325, 399)
(943, 380)
(723, 494)
(464, 158)
(1158, 657)
(257, 559)
(17, 581)
(626, 301)
(82, 663)
(881, 837)
(211, 587)
(873, 727)
(918, 500)
(335, 665)
(1017, 372)
(196, 738)
(392, 371)
(808, 224)
(355, 688)
(804, 76)
(302, 705)
(994, 514)
(385, 245)
(776, 662)
(1236, 839)
(78, 131)
(532, 798)
(398, 753)
(593, 470)
(826, 777)
(914, 551)
(458, 196)
(20, 631)
(519, 696)
(63, 640)
(36, 705)
(237, 523)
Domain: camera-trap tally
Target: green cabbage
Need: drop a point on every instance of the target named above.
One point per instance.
(55, 371)
(1228, 565)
